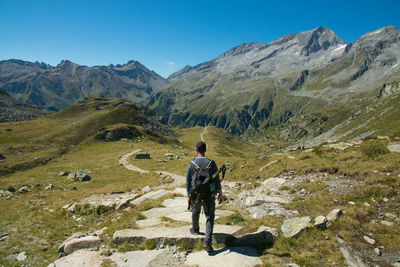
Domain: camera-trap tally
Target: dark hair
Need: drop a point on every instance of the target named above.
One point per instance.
(201, 147)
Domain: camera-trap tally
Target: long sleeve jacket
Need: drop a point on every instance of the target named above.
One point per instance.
(202, 162)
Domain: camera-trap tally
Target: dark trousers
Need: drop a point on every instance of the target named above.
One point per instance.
(208, 205)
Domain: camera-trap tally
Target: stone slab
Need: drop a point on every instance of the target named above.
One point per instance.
(110, 200)
(79, 258)
(221, 233)
(292, 227)
(135, 258)
(395, 147)
(229, 257)
(150, 196)
(148, 222)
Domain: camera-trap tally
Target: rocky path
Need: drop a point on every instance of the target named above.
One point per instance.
(156, 228)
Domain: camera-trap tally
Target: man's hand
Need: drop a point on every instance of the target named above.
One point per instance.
(220, 198)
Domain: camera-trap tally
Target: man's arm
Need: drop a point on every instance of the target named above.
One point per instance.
(188, 180)
(218, 189)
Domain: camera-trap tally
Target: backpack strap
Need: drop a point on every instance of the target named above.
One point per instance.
(194, 165)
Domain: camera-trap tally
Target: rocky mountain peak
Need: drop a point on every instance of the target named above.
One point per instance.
(318, 39)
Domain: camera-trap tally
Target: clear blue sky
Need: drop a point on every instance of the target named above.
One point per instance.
(166, 35)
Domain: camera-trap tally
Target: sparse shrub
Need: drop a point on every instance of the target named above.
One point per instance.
(184, 245)
(284, 188)
(150, 244)
(233, 219)
(374, 149)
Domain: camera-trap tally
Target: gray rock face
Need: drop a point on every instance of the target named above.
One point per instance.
(142, 155)
(72, 237)
(294, 66)
(13, 110)
(292, 227)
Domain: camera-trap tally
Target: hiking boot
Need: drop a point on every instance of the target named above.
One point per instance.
(194, 232)
(208, 248)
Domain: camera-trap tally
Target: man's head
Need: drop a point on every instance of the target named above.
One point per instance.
(201, 147)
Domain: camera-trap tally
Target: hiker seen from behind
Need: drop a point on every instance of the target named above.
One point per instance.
(203, 185)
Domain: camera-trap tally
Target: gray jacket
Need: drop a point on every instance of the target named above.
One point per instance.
(202, 162)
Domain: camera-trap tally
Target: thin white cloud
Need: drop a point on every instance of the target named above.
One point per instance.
(169, 62)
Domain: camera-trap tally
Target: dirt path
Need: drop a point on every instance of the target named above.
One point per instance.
(203, 133)
(178, 179)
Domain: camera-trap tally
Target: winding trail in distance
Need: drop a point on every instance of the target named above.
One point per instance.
(178, 179)
(203, 133)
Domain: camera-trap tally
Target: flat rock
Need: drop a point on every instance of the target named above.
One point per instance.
(369, 240)
(334, 214)
(320, 222)
(81, 243)
(272, 208)
(149, 196)
(148, 222)
(257, 239)
(135, 258)
(292, 227)
(118, 201)
(24, 190)
(172, 235)
(263, 198)
(74, 236)
(395, 147)
(21, 256)
(352, 258)
(272, 230)
(79, 258)
(229, 257)
(387, 223)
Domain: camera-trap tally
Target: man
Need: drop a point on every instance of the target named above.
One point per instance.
(207, 201)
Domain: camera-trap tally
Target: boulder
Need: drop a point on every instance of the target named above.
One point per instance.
(146, 189)
(72, 176)
(292, 227)
(24, 190)
(81, 243)
(142, 155)
(63, 173)
(387, 223)
(262, 198)
(369, 240)
(273, 231)
(21, 256)
(259, 239)
(83, 171)
(84, 177)
(50, 186)
(334, 214)
(74, 236)
(320, 222)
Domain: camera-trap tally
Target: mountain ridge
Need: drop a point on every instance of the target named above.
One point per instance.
(58, 87)
(256, 85)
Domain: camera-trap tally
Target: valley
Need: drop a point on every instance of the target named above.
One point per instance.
(360, 179)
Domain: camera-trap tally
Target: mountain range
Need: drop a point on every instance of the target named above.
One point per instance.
(61, 86)
(298, 86)
(257, 86)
